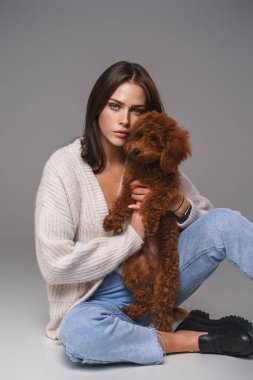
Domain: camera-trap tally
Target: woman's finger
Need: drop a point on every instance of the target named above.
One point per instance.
(141, 191)
(136, 183)
(139, 198)
(134, 206)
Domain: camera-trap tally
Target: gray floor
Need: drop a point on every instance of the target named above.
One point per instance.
(27, 354)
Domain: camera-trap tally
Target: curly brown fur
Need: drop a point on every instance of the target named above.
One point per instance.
(155, 148)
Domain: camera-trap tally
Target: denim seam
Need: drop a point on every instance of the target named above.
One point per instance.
(93, 361)
(86, 360)
(231, 261)
(157, 344)
(83, 358)
(201, 253)
(109, 310)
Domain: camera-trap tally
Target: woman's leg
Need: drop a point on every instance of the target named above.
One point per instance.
(219, 234)
(97, 332)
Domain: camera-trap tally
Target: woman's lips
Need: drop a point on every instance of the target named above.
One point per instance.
(121, 135)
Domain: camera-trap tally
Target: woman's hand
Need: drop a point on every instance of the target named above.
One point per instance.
(139, 191)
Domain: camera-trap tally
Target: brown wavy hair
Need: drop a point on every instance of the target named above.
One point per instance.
(92, 148)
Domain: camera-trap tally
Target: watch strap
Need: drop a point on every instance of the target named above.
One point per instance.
(181, 219)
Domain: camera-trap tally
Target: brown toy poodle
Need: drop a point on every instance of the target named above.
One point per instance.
(154, 149)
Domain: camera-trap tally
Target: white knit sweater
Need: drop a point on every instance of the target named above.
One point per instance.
(74, 252)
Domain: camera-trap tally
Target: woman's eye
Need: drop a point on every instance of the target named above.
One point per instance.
(138, 111)
(114, 106)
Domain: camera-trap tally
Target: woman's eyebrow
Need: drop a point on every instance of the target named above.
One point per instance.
(134, 105)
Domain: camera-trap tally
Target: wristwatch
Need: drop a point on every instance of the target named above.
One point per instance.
(182, 218)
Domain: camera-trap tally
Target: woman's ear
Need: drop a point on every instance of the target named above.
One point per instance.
(177, 149)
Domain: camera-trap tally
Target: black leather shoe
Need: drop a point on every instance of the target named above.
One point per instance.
(230, 335)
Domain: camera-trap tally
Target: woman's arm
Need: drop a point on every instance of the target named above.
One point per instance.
(61, 259)
(200, 205)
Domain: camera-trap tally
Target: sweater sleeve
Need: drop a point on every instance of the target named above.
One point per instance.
(200, 205)
(63, 260)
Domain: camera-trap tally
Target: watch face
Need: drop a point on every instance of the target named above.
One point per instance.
(185, 216)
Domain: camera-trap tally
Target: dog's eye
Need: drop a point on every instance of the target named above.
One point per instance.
(154, 138)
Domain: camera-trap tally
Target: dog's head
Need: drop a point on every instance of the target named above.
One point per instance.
(156, 138)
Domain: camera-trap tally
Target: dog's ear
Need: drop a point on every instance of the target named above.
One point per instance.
(177, 149)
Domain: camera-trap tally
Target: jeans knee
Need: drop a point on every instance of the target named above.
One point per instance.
(71, 331)
(223, 219)
(83, 335)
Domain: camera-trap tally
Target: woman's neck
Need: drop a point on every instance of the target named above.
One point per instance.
(115, 156)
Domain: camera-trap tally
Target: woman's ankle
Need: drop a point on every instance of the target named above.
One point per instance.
(181, 341)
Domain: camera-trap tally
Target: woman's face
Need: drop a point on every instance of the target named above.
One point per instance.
(125, 106)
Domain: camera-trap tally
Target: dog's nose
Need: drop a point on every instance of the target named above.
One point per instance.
(136, 152)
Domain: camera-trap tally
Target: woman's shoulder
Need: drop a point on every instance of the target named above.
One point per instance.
(65, 153)
(66, 158)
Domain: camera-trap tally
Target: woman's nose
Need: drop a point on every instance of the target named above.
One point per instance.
(124, 118)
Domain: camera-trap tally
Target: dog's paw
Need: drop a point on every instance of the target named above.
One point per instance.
(111, 223)
(108, 223)
(118, 230)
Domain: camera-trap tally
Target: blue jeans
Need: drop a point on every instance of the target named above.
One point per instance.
(96, 331)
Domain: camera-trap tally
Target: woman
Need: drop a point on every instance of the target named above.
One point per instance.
(81, 262)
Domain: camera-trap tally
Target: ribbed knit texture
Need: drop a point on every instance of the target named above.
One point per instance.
(74, 252)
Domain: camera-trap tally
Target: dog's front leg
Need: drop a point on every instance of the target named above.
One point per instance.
(120, 212)
(156, 205)
(150, 215)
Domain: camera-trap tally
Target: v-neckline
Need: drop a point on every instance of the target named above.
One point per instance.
(117, 191)
(97, 184)
(97, 194)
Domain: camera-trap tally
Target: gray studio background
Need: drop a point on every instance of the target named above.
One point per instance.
(199, 52)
